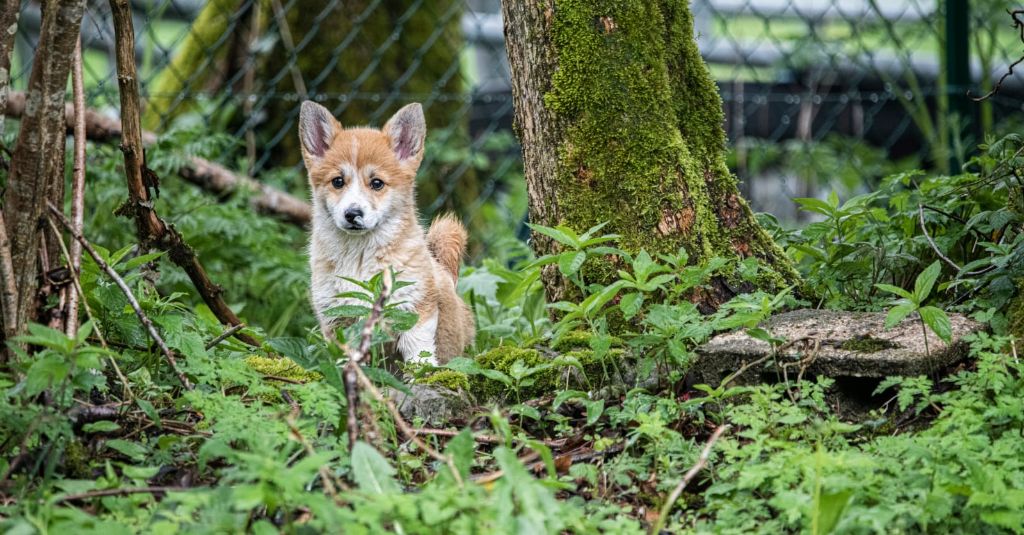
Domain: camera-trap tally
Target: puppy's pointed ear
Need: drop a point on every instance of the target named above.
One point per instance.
(317, 128)
(406, 131)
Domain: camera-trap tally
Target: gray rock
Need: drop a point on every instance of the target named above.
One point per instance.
(435, 405)
(834, 344)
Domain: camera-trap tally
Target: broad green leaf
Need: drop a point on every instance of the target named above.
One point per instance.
(937, 320)
(133, 450)
(381, 376)
(925, 281)
(571, 262)
(296, 349)
(630, 304)
(461, 449)
(895, 290)
(556, 234)
(830, 509)
(371, 471)
(897, 313)
(347, 311)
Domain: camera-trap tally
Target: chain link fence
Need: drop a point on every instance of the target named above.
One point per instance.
(818, 94)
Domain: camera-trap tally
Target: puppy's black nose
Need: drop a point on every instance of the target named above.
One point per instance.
(352, 213)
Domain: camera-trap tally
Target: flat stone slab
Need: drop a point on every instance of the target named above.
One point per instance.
(834, 344)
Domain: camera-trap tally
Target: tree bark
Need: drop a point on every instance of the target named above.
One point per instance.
(620, 122)
(8, 289)
(37, 164)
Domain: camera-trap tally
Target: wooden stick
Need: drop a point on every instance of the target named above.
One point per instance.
(151, 230)
(77, 187)
(146, 322)
(690, 474)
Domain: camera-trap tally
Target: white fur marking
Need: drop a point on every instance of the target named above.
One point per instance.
(422, 337)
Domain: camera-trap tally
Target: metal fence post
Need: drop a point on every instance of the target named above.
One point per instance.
(958, 73)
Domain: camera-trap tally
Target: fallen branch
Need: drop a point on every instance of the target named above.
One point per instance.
(146, 322)
(203, 173)
(151, 230)
(77, 187)
(702, 461)
(931, 242)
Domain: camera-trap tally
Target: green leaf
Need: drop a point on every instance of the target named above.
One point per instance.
(461, 449)
(296, 349)
(811, 204)
(897, 313)
(895, 290)
(925, 281)
(102, 426)
(133, 450)
(630, 304)
(557, 234)
(149, 410)
(937, 320)
(371, 470)
(347, 311)
(830, 509)
(381, 376)
(571, 262)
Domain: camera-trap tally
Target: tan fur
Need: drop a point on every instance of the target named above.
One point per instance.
(447, 241)
(431, 261)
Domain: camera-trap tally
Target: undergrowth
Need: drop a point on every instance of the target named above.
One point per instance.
(583, 418)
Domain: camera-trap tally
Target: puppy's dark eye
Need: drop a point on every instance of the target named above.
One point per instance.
(338, 182)
(377, 184)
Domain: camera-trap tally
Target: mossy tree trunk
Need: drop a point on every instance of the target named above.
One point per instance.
(620, 121)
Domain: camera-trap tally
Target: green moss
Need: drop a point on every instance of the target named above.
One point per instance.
(659, 178)
(866, 344)
(76, 460)
(449, 379)
(579, 340)
(595, 372)
(1016, 312)
(282, 367)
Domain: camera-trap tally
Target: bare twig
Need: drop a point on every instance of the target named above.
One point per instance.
(1018, 23)
(225, 335)
(77, 187)
(690, 474)
(924, 230)
(151, 230)
(146, 322)
(352, 371)
(102, 493)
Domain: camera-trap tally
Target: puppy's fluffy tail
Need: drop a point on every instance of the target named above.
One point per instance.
(447, 242)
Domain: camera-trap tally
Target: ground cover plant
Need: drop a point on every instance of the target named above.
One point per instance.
(584, 418)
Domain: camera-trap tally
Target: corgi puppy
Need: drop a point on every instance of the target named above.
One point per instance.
(365, 222)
